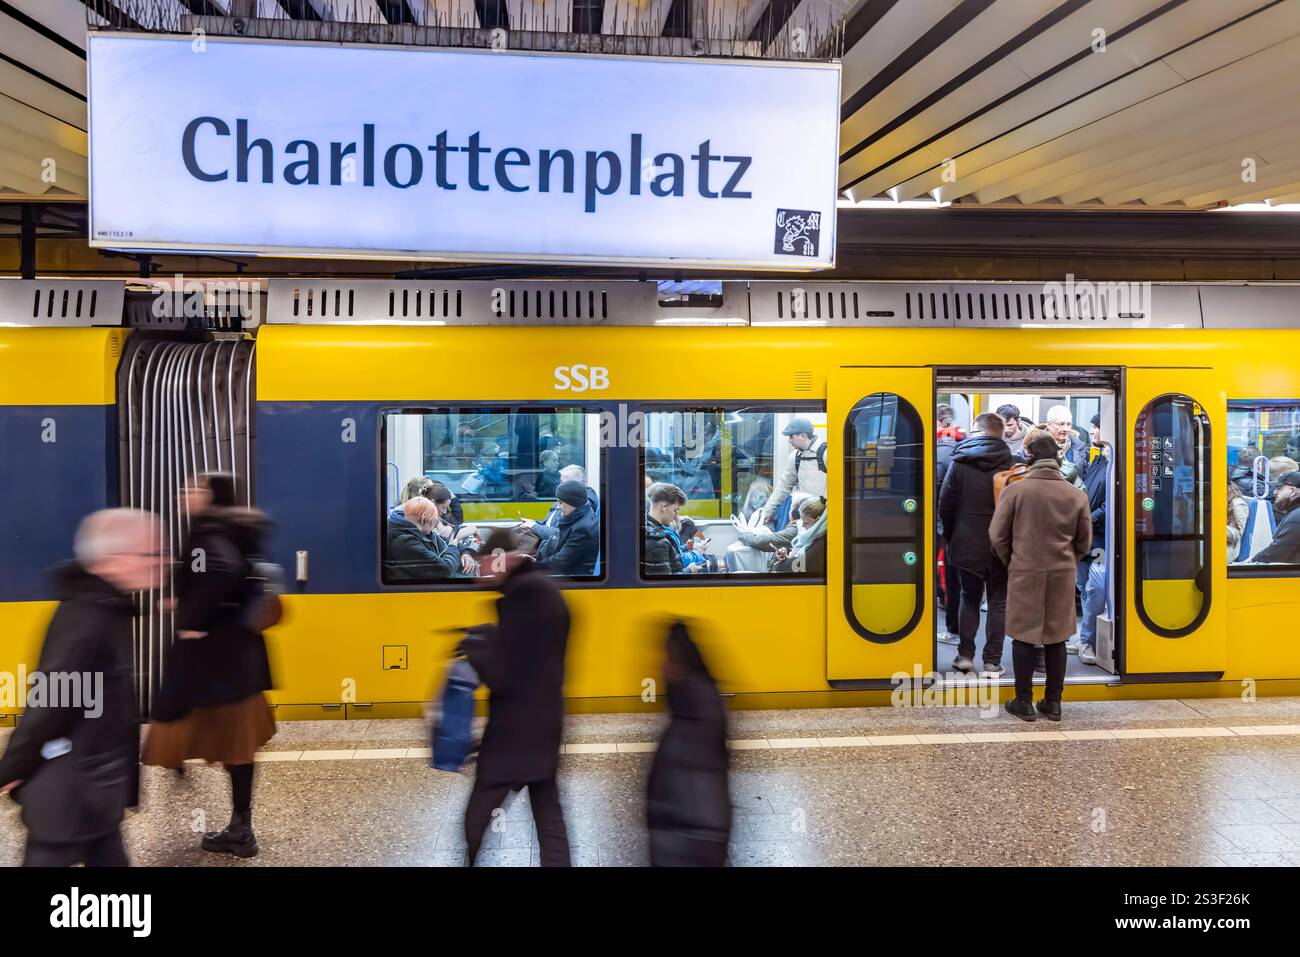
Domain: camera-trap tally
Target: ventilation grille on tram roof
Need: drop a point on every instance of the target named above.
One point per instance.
(803, 381)
(60, 302)
(484, 302)
(1012, 305)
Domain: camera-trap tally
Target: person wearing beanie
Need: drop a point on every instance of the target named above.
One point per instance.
(573, 549)
(1041, 529)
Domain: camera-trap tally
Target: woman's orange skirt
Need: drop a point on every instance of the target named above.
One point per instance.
(225, 734)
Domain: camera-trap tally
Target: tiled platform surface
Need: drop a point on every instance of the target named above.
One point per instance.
(1190, 782)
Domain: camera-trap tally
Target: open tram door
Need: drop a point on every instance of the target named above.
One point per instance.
(879, 556)
(1175, 526)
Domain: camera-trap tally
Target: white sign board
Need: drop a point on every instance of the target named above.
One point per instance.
(274, 148)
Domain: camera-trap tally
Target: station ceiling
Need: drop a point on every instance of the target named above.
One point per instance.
(1121, 104)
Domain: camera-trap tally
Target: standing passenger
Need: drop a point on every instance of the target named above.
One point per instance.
(1040, 530)
(211, 704)
(965, 511)
(521, 660)
(74, 766)
(1015, 428)
(1060, 423)
(805, 470)
(1097, 482)
(688, 804)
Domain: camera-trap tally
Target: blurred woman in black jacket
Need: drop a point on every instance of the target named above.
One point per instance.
(688, 804)
(211, 704)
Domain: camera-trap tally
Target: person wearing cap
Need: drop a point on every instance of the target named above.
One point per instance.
(574, 547)
(805, 471)
(1285, 547)
(1014, 432)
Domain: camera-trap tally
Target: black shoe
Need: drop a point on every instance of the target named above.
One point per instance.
(1021, 708)
(237, 839)
(1051, 710)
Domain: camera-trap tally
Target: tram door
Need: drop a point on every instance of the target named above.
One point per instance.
(879, 561)
(1175, 525)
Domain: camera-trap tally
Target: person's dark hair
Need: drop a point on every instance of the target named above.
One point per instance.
(221, 485)
(1041, 447)
(990, 423)
(438, 493)
(665, 492)
(1009, 411)
(687, 530)
(498, 538)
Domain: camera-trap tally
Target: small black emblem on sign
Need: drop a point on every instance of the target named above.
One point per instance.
(798, 232)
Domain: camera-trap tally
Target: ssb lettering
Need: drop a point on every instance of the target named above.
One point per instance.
(581, 378)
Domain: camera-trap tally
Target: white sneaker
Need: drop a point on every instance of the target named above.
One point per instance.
(1087, 655)
(991, 671)
(1072, 647)
(948, 638)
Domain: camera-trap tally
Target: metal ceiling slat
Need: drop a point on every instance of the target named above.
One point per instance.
(41, 55)
(1227, 185)
(1183, 105)
(1128, 92)
(1046, 59)
(42, 97)
(67, 18)
(958, 67)
(35, 123)
(1178, 26)
(1123, 179)
(889, 37)
(445, 13)
(543, 15)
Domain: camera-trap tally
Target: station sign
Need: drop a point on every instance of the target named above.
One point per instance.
(257, 147)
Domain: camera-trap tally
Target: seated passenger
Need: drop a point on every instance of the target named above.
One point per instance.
(693, 547)
(575, 544)
(1278, 466)
(546, 527)
(414, 488)
(663, 549)
(550, 479)
(1242, 475)
(414, 551)
(756, 497)
(807, 554)
(1285, 548)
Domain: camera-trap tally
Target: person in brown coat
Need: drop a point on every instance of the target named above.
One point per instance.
(1041, 529)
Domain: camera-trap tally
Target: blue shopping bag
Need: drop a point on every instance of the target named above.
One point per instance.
(453, 722)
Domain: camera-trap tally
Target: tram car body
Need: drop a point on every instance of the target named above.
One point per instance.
(344, 393)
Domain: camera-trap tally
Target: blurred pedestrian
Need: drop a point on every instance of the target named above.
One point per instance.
(521, 660)
(211, 703)
(1041, 528)
(688, 803)
(74, 765)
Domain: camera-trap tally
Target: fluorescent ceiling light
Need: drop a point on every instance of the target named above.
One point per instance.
(849, 203)
(1259, 208)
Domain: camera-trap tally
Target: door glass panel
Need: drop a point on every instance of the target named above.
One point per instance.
(884, 446)
(1172, 514)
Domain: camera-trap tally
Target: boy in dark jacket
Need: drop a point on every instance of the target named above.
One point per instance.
(965, 511)
(73, 765)
(663, 549)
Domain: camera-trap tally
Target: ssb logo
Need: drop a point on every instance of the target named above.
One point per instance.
(581, 378)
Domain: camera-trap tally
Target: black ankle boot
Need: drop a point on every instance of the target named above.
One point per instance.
(1051, 710)
(237, 839)
(1022, 708)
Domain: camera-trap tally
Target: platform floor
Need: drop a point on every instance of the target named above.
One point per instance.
(1177, 782)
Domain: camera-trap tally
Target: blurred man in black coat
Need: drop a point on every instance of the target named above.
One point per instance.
(688, 805)
(521, 660)
(74, 765)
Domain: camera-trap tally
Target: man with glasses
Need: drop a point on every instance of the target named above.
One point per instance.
(73, 765)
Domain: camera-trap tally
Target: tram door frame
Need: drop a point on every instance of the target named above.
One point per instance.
(1201, 653)
(852, 660)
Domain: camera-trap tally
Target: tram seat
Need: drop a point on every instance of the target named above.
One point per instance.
(783, 515)
(1261, 525)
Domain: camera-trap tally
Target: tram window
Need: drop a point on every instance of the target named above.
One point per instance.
(725, 504)
(884, 496)
(1263, 518)
(503, 467)
(1172, 520)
